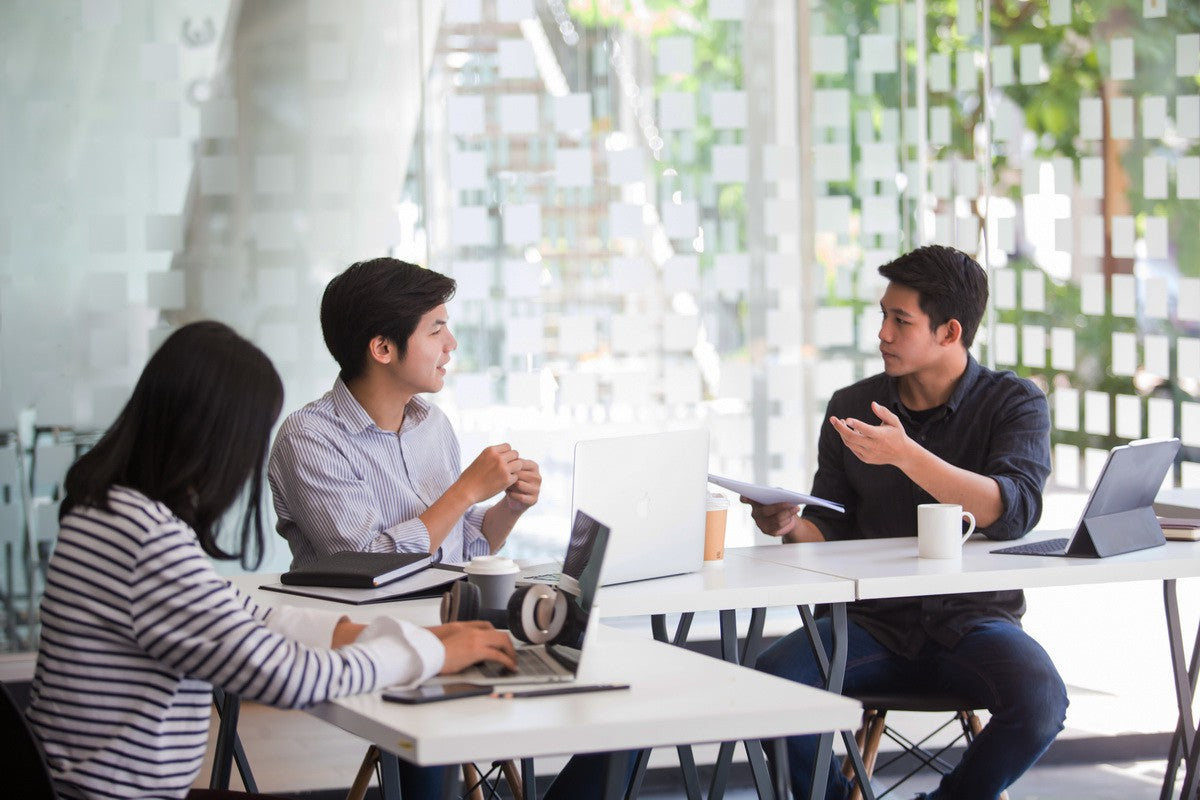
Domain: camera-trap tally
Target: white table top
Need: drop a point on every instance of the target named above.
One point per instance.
(890, 567)
(676, 697)
(739, 581)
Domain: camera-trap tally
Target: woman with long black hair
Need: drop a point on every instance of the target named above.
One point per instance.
(137, 626)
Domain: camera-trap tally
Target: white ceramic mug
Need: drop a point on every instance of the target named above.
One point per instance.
(939, 530)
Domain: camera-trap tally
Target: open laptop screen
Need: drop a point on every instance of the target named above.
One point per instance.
(585, 555)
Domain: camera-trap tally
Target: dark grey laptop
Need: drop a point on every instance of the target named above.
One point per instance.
(1119, 515)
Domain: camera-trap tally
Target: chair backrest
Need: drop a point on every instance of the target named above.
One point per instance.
(23, 770)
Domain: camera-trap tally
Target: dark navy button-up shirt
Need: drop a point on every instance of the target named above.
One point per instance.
(994, 424)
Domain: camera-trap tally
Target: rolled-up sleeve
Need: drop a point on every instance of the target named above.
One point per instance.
(1019, 463)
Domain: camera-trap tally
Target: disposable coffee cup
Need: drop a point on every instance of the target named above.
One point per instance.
(496, 578)
(714, 526)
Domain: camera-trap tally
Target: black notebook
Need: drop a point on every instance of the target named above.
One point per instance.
(357, 570)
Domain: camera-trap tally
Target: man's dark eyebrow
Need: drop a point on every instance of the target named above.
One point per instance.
(895, 312)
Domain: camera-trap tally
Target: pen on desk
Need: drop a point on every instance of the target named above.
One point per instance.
(595, 687)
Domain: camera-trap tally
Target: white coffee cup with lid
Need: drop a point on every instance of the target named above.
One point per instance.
(496, 578)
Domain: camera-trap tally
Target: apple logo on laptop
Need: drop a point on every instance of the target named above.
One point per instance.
(642, 507)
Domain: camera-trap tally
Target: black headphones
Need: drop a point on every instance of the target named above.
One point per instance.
(537, 613)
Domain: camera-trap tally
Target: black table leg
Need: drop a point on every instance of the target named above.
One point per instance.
(1185, 744)
(228, 749)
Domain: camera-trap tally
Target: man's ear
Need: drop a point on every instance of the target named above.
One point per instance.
(950, 331)
(381, 350)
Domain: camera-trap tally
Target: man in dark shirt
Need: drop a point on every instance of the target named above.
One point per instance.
(935, 427)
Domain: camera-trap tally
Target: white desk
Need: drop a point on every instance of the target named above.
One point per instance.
(677, 697)
(889, 568)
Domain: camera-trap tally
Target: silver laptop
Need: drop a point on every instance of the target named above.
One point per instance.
(650, 489)
(1119, 515)
(558, 661)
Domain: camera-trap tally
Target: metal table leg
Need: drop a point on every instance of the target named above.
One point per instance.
(687, 762)
(1185, 745)
(228, 749)
(835, 673)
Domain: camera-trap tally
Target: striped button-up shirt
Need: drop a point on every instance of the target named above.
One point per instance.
(137, 627)
(340, 482)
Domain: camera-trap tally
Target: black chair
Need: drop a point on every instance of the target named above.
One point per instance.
(23, 771)
(875, 727)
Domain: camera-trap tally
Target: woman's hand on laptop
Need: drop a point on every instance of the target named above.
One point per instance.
(469, 643)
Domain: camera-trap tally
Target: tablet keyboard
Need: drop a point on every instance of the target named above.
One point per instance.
(528, 663)
(1045, 547)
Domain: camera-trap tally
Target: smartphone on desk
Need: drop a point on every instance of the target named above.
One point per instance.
(436, 693)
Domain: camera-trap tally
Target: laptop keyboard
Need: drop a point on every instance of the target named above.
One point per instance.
(528, 663)
(1046, 547)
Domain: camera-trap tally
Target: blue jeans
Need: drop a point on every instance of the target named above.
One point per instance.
(996, 666)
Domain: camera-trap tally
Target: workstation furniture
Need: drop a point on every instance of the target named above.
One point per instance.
(676, 697)
(883, 568)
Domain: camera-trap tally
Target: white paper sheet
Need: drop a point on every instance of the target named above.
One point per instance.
(681, 273)
(1160, 418)
(681, 384)
(831, 108)
(464, 12)
(522, 280)
(675, 55)
(1123, 236)
(877, 52)
(727, 10)
(1006, 344)
(1060, 12)
(681, 220)
(1189, 424)
(514, 10)
(939, 125)
(577, 333)
(1157, 246)
(625, 220)
(578, 388)
(1152, 9)
(772, 494)
(1129, 416)
(474, 280)
(966, 74)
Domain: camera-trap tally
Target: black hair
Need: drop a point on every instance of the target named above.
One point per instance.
(195, 428)
(949, 283)
(381, 297)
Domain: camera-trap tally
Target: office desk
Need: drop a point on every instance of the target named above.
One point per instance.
(677, 697)
(889, 568)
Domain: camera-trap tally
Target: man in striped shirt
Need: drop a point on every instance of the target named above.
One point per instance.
(373, 467)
